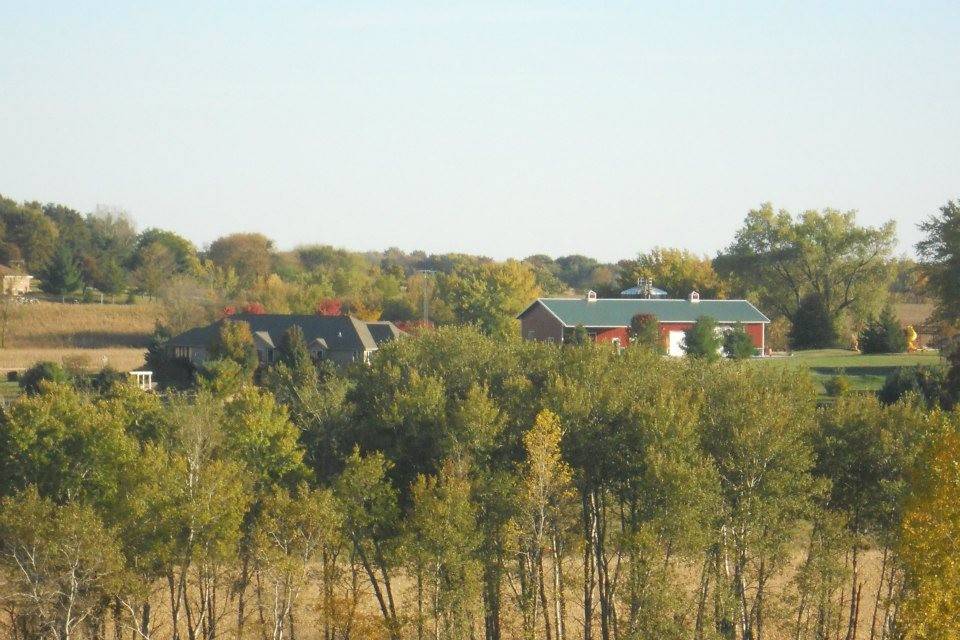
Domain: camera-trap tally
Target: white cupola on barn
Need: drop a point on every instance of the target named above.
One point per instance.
(694, 296)
(591, 296)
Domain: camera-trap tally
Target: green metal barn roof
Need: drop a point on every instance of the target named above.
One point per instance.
(617, 312)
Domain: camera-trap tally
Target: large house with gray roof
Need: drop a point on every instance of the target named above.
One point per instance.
(608, 319)
(340, 339)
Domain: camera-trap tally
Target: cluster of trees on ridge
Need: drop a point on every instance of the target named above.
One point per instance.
(819, 275)
(463, 486)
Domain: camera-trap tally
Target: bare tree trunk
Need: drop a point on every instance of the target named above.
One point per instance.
(387, 588)
(740, 589)
(603, 579)
(722, 613)
(117, 619)
(384, 601)
(419, 604)
(702, 590)
(436, 605)
(559, 602)
(174, 608)
(855, 587)
(542, 588)
(876, 603)
(589, 535)
(890, 608)
(491, 602)
(839, 622)
(758, 601)
(145, 621)
(887, 620)
(241, 595)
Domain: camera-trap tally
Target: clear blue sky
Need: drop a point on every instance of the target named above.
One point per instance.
(503, 128)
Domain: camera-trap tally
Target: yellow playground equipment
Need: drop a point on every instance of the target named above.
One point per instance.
(911, 338)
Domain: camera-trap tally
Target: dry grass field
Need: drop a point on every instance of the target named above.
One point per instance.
(89, 335)
(89, 359)
(356, 608)
(915, 313)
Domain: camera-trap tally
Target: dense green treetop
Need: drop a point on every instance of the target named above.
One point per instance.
(676, 271)
(939, 253)
(778, 259)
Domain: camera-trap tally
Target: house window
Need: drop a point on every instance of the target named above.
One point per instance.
(181, 352)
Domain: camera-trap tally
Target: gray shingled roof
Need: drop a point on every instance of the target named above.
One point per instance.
(340, 333)
(617, 312)
(383, 331)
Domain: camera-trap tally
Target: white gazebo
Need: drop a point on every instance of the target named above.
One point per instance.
(144, 379)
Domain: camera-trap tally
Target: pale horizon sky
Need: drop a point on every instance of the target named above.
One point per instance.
(504, 129)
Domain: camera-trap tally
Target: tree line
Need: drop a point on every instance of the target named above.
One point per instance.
(464, 486)
(820, 275)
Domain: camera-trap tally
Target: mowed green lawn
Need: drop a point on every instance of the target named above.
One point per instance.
(866, 372)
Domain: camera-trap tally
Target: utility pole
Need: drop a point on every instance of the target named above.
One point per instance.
(426, 294)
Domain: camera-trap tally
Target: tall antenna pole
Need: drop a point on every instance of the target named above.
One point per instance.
(426, 295)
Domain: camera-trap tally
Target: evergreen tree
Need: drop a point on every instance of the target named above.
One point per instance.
(645, 331)
(109, 277)
(63, 275)
(737, 345)
(702, 340)
(884, 335)
(932, 385)
(168, 370)
(813, 326)
(293, 348)
(579, 336)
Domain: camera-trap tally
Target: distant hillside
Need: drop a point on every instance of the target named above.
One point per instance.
(89, 335)
(48, 325)
(915, 313)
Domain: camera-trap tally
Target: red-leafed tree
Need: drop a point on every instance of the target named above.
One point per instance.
(413, 326)
(330, 307)
(254, 308)
(229, 310)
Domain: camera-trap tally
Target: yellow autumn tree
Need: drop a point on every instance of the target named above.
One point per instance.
(931, 547)
(545, 494)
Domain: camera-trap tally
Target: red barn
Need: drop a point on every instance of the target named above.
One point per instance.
(608, 319)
